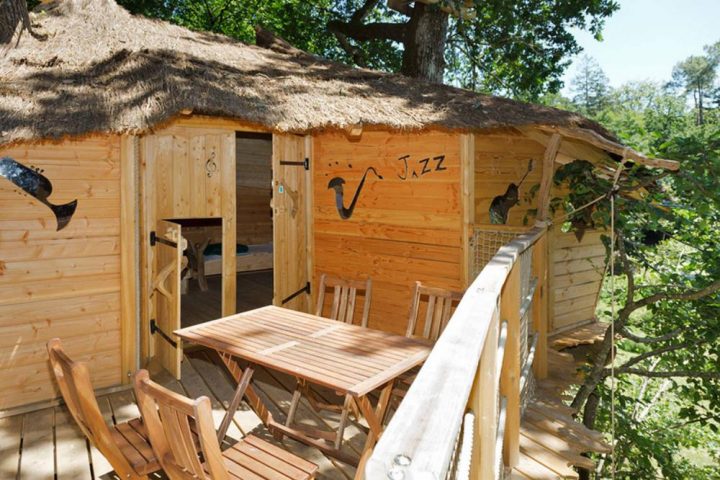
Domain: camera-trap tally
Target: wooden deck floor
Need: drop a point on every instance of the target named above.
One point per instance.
(46, 444)
(551, 441)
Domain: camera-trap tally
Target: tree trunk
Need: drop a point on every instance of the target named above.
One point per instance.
(425, 38)
(589, 415)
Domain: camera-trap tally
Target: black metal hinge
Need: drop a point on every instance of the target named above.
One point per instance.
(305, 289)
(155, 239)
(305, 163)
(155, 329)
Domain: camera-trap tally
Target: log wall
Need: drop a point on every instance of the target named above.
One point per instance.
(404, 227)
(60, 283)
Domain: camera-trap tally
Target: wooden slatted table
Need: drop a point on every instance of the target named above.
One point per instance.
(350, 360)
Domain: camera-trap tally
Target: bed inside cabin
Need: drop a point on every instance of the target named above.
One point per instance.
(202, 279)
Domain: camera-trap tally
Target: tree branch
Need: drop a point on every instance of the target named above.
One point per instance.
(361, 13)
(631, 336)
(370, 31)
(691, 295)
(653, 353)
(679, 373)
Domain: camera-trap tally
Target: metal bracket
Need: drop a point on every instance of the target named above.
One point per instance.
(305, 289)
(305, 163)
(155, 329)
(155, 239)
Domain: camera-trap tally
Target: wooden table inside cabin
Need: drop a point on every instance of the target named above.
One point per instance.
(351, 360)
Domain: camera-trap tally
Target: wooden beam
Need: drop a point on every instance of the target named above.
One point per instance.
(128, 256)
(309, 218)
(547, 176)
(467, 176)
(228, 198)
(597, 140)
(354, 131)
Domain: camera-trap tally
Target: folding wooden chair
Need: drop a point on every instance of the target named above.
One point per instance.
(344, 296)
(440, 305)
(170, 417)
(125, 445)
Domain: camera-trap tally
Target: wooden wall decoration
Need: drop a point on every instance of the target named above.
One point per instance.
(62, 283)
(501, 205)
(405, 227)
(501, 159)
(31, 181)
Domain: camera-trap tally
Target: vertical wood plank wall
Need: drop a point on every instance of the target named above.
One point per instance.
(578, 268)
(401, 231)
(60, 283)
(501, 158)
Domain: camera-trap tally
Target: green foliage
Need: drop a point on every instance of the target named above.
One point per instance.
(520, 49)
(516, 48)
(665, 427)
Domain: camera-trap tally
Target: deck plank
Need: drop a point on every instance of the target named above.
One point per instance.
(37, 459)
(71, 449)
(53, 442)
(330, 468)
(10, 436)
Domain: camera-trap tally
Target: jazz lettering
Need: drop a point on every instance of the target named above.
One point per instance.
(421, 167)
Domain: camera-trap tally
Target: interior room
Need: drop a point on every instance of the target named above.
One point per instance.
(202, 277)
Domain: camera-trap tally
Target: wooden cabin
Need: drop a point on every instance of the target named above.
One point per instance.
(154, 177)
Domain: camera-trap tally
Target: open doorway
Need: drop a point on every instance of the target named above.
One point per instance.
(202, 281)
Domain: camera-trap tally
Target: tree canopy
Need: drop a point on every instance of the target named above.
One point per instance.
(515, 48)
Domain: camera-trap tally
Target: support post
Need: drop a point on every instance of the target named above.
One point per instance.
(128, 256)
(484, 402)
(547, 175)
(467, 176)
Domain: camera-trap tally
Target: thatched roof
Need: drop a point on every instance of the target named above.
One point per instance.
(103, 70)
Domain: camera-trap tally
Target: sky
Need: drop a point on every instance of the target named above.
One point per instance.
(646, 38)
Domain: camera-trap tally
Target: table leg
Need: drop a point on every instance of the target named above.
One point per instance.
(234, 403)
(254, 400)
(376, 416)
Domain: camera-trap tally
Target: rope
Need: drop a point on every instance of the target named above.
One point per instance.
(612, 319)
(612, 334)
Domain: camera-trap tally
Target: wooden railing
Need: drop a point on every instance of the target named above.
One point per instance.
(474, 377)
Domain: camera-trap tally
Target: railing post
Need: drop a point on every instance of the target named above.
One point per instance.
(540, 305)
(484, 402)
(510, 303)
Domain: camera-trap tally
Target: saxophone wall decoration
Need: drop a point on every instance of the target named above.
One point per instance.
(337, 184)
(37, 185)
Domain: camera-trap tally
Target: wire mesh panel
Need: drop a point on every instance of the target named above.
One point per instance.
(486, 242)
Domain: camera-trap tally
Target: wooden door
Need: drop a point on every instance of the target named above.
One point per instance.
(291, 179)
(188, 172)
(169, 246)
